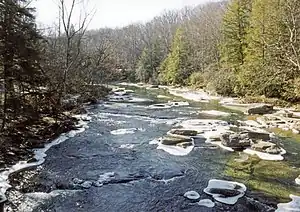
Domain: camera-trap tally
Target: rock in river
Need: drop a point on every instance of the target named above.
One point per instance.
(235, 140)
(264, 146)
(182, 132)
(170, 140)
(225, 191)
(260, 109)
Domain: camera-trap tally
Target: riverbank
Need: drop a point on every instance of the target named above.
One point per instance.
(201, 95)
(24, 142)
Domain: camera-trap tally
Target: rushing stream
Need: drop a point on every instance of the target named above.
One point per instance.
(116, 165)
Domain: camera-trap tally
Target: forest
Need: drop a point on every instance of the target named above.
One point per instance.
(242, 48)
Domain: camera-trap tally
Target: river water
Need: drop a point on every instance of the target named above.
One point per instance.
(142, 177)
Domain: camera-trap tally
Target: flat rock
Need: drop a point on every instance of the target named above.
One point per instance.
(223, 192)
(260, 109)
(264, 146)
(227, 192)
(170, 140)
(184, 132)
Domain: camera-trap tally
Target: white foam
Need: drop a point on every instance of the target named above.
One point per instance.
(106, 177)
(116, 98)
(154, 142)
(40, 154)
(297, 180)
(293, 206)
(163, 97)
(205, 125)
(222, 184)
(30, 201)
(215, 113)
(175, 150)
(126, 131)
(193, 195)
(266, 156)
(206, 203)
(127, 146)
(139, 100)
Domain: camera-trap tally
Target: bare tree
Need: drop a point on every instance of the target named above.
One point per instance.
(72, 34)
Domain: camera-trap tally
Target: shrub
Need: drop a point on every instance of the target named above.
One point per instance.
(221, 81)
(197, 80)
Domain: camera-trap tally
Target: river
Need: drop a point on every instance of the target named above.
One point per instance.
(136, 176)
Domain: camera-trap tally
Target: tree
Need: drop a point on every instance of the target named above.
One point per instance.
(72, 39)
(19, 59)
(234, 30)
(261, 73)
(149, 63)
(177, 67)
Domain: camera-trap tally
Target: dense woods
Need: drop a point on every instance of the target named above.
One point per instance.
(235, 48)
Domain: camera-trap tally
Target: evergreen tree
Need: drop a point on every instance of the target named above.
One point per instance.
(19, 57)
(234, 30)
(149, 63)
(261, 74)
(177, 67)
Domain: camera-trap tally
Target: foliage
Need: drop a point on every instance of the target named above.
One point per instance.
(197, 80)
(177, 67)
(21, 75)
(234, 31)
(149, 63)
(221, 81)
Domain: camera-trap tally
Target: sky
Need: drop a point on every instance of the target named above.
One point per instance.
(112, 13)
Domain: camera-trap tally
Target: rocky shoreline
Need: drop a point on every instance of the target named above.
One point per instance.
(24, 139)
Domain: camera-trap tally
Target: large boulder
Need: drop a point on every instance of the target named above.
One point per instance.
(264, 146)
(261, 109)
(235, 140)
